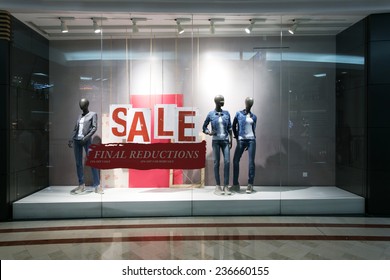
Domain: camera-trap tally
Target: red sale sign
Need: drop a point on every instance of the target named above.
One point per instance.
(134, 145)
(148, 156)
(133, 125)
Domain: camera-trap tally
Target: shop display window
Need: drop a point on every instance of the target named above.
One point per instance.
(290, 79)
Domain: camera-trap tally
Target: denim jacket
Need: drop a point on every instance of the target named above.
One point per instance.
(212, 117)
(239, 123)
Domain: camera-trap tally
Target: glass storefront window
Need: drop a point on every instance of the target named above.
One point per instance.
(291, 79)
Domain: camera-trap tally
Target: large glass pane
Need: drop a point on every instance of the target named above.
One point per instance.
(75, 71)
(308, 109)
(266, 67)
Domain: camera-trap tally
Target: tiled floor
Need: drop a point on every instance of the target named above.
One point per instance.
(278, 238)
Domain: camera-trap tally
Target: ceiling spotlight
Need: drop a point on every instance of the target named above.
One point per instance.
(135, 26)
(96, 27)
(249, 28)
(180, 28)
(294, 27)
(212, 23)
(64, 28)
(212, 27)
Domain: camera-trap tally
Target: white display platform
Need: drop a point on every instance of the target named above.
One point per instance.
(57, 202)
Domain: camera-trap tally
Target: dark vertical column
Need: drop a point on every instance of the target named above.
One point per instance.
(29, 111)
(363, 118)
(5, 37)
(351, 88)
(378, 115)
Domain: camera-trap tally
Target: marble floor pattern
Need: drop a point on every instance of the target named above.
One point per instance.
(198, 238)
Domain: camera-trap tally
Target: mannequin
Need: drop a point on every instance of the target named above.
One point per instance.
(244, 130)
(221, 131)
(83, 131)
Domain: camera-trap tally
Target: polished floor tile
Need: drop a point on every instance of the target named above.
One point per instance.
(198, 238)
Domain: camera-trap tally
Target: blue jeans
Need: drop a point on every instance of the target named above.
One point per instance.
(240, 148)
(78, 154)
(218, 146)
